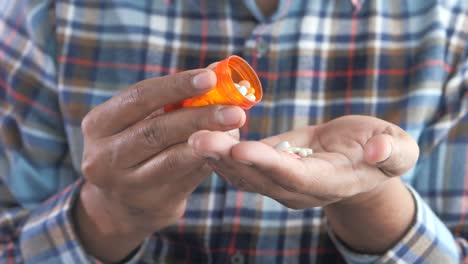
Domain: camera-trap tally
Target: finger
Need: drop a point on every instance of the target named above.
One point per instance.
(291, 173)
(213, 65)
(217, 147)
(302, 137)
(257, 167)
(177, 168)
(208, 144)
(141, 99)
(394, 151)
(249, 179)
(152, 136)
(283, 169)
(327, 176)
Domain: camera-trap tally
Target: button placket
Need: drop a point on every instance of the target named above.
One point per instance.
(261, 47)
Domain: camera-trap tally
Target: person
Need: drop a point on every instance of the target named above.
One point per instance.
(93, 171)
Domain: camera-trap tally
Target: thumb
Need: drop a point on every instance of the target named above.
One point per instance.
(393, 154)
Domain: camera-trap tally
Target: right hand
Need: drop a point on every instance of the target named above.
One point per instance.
(138, 166)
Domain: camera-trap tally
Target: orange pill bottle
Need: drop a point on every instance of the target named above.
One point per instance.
(231, 70)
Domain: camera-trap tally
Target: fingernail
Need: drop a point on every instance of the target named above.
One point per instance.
(203, 80)
(228, 116)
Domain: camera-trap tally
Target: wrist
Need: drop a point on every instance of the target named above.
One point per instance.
(361, 220)
(103, 234)
(111, 214)
(371, 199)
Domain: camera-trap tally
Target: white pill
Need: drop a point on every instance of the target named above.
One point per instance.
(237, 85)
(309, 151)
(242, 90)
(303, 153)
(251, 97)
(294, 150)
(245, 83)
(282, 146)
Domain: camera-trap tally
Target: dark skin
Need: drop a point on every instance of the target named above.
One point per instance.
(141, 167)
(268, 7)
(354, 174)
(138, 165)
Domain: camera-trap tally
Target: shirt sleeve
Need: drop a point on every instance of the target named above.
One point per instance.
(35, 162)
(439, 233)
(427, 241)
(46, 234)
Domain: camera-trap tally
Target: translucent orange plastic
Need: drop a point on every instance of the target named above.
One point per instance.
(231, 70)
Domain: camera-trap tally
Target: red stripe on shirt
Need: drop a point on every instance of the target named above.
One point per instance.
(115, 65)
(26, 100)
(20, 97)
(235, 224)
(268, 75)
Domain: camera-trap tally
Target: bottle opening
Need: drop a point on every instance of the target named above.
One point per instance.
(239, 70)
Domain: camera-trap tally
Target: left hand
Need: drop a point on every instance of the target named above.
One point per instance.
(352, 155)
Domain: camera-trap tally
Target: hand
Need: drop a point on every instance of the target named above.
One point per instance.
(138, 167)
(352, 156)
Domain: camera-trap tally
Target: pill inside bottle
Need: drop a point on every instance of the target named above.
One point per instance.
(231, 73)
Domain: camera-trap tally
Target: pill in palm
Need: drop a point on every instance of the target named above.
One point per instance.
(282, 146)
(303, 153)
(286, 147)
(295, 149)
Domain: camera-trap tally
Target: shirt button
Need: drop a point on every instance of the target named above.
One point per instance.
(237, 258)
(262, 47)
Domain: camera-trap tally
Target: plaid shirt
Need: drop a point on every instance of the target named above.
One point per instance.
(402, 61)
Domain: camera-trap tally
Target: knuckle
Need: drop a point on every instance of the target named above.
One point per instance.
(87, 167)
(95, 167)
(134, 96)
(181, 82)
(90, 168)
(206, 118)
(171, 162)
(88, 124)
(154, 134)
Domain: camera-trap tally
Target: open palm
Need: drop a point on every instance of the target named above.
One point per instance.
(352, 155)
